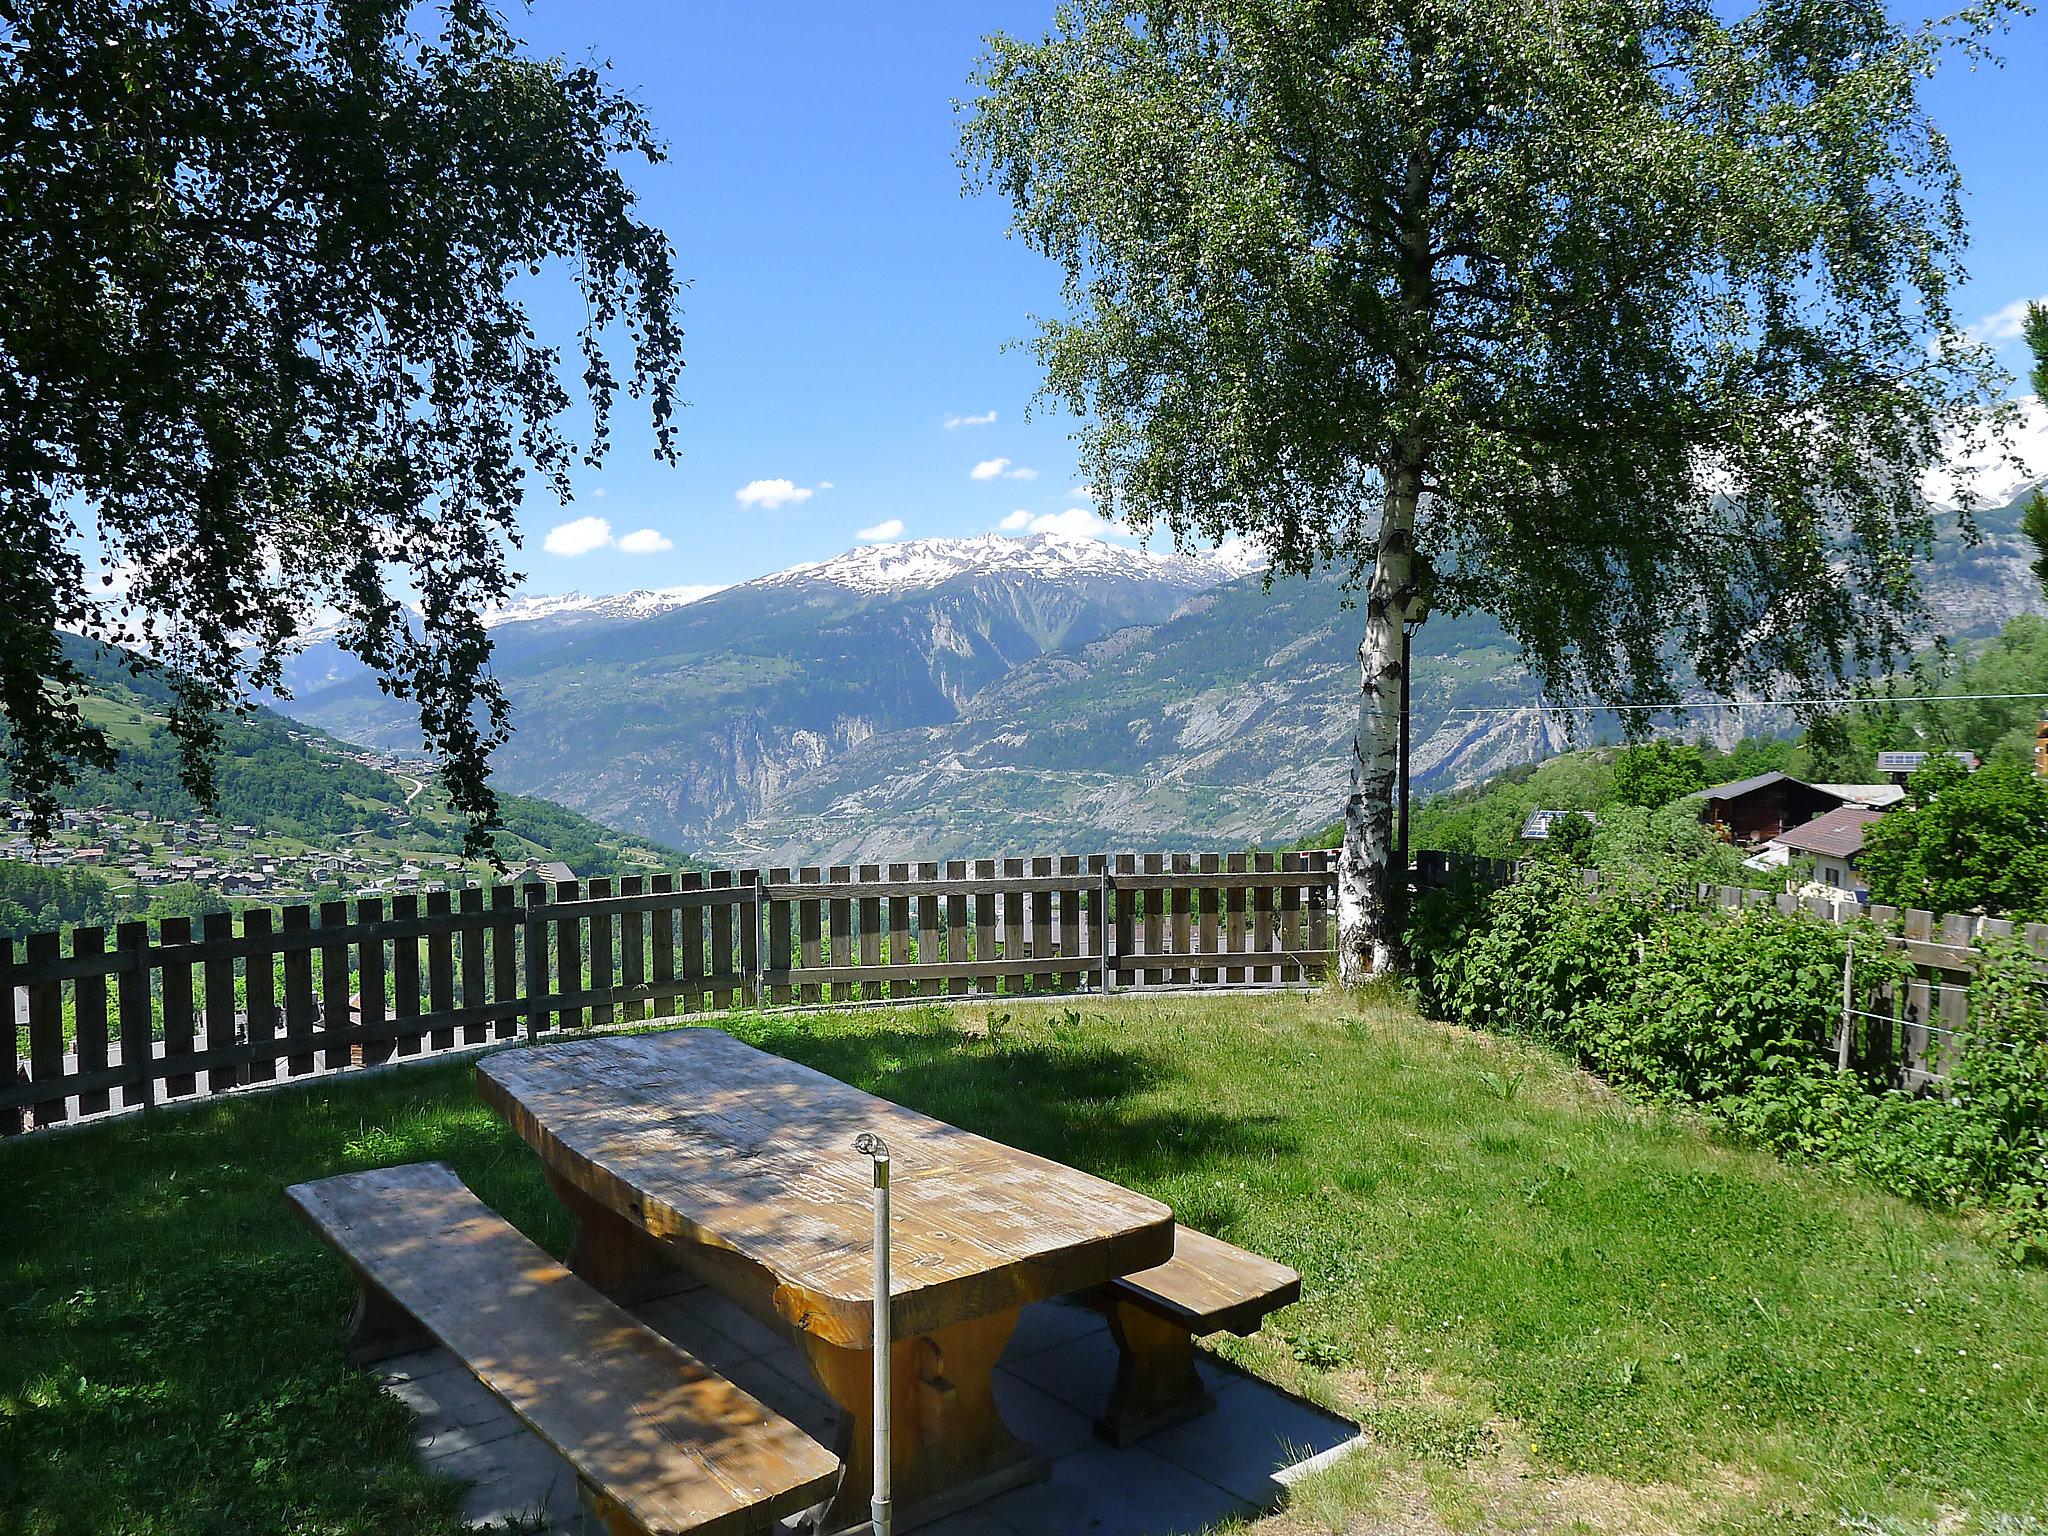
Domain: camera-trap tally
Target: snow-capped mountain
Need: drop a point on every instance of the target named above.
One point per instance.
(692, 710)
(640, 603)
(924, 563)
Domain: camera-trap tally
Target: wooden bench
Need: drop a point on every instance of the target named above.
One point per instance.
(1207, 1287)
(659, 1443)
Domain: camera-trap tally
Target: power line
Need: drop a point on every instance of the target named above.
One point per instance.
(1598, 709)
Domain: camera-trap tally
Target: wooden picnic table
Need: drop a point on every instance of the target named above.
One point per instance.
(691, 1149)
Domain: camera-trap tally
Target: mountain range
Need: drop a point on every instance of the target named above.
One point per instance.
(995, 695)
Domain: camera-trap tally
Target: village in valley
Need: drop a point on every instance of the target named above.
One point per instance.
(395, 852)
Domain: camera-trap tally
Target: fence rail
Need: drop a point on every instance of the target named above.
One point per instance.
(132, 1018)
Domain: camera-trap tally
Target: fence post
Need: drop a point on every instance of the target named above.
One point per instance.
(1102, 926)
(1848, 997)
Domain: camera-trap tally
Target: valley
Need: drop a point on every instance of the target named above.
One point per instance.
(1000, 696)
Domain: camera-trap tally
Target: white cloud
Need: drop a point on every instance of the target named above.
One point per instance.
(1016, 521)
(985, 419)
(1082, 493)
(598, 493)
(1000, 469)
(645, 541)
(1074, 523)
(774, 493)
(2003, 325)
(1020, 473)
(579, 537)
(824, 485)
(882, 532)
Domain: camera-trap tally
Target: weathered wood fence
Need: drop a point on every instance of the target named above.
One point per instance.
(151, 1013)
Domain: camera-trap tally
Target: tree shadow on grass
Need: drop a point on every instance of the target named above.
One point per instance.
(178, 1333)
(1073, 1098)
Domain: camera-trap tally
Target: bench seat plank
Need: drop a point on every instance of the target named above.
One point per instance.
(648, 1428)
(1210, 1286)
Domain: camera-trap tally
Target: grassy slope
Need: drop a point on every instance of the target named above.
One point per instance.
(1550, 1306)
(300, 796)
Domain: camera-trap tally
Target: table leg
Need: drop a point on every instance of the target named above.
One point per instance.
(610, 1252)
(1156, 1381)
(949, 1446)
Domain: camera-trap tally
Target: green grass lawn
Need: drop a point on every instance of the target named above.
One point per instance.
(1554, 1310)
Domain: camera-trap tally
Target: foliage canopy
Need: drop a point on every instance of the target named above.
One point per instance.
(1627, 324)
(266, 347)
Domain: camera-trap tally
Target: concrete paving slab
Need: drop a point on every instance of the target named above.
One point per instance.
(1256, 1432)
(1081, 1371)
(1047, 1324)
(1102, 1491)
(1184, 1479)
(1049, 1426)
(806, 1407)
(682, 1320)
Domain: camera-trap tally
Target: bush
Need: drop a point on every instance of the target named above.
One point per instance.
(1738, 1012)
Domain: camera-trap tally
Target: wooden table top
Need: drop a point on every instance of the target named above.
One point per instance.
(702, 1139)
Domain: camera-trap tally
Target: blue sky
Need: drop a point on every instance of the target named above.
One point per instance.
(847, 300)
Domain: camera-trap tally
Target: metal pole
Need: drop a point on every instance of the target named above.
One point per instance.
(1848, 997)
(878, 1503)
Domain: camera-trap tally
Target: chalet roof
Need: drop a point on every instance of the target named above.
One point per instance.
(1876, 796)
(1836, 835)
(1740, 787)
(1537, 828)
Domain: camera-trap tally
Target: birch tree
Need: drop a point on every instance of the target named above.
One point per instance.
(1624, 321)
(266, 346)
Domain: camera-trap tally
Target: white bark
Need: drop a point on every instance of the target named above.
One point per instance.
(1367, 890)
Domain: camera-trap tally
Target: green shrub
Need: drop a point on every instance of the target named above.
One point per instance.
(1738, 1012)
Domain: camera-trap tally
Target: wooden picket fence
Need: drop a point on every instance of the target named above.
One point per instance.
(140, 1017)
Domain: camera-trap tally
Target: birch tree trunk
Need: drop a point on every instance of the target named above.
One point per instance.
(1368, 884)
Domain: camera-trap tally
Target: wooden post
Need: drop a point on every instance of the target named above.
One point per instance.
(336, 1016)
(89, 1015)
(869, 916)
(752, 944)
(1103, 934)
(505, 957)
(472, 957)
(1181, 922)
(957, 941)
(440, 969)
(601, 949)
(376, 1046)
(536, 944)
(928, 943)
(298, 990)
(661, 921)
(45, 1029)
(1013, 926)
(633, 950)
(219, 929)
(138, 1022)
(777, 942)
(405, 979)
(568, 954)
(899, 932)
(839, 931)
(259, 992)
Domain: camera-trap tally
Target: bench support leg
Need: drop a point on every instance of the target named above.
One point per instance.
(611, 1253)
(949, 1446)
(1156, 1380)
(380, 1327)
